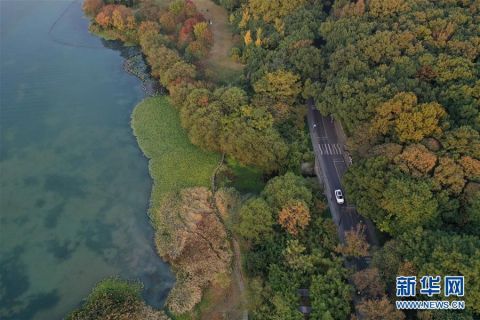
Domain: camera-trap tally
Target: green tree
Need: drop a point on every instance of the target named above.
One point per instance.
(249, 136)
(464, 141)
(435, 252)
(255, 220)
(280, 190)
(180, 71)
(331, 295)
(365, 183)
(407, 203)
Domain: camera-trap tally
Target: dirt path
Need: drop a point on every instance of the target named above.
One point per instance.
(237, 271)
(219, 57)
(238, 274)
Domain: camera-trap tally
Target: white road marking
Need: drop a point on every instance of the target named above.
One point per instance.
(335, 151)
(320, 147)
(329, 149)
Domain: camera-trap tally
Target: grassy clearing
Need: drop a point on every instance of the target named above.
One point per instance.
(246, 179)
(221, 67)
(174, 162)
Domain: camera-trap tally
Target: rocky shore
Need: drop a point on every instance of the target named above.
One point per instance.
(136, 65)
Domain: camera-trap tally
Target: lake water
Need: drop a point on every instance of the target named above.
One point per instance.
(74, 186)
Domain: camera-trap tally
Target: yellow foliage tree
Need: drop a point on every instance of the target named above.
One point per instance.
(248, 38)
(278, 86)
(273, 10)
(403, 118)
(258, 42)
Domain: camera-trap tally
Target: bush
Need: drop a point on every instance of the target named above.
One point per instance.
(112, 298)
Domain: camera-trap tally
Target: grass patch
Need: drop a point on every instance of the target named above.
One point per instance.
(246, 179)
(174, 162)
(223, 75)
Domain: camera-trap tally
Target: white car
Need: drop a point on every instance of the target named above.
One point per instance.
(339, 196)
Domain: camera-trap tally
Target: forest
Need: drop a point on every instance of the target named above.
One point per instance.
(403, 79)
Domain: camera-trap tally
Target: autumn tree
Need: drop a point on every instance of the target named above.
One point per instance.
(450, 175)
(406, 120)
(380, 309)
(177, 8)
(389, 151)
(379, 8)
(369, 283)
(149, 36)
(203, 33)
(273, 11)
(471, 167)
(92, 7)
(294, 217)
(161, 59)
(167, 21)
(356, 244)
(196, 51)
(104, 17)
(277, 87)
(416, 160)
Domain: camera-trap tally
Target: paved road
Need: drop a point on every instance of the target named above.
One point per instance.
(330, 158)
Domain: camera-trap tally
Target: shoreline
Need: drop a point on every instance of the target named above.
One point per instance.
(135, 64)
(171, 156)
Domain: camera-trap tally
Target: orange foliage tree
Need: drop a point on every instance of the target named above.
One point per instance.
(294, 217)
(116, 16)
(356, 244)
(92, 7)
